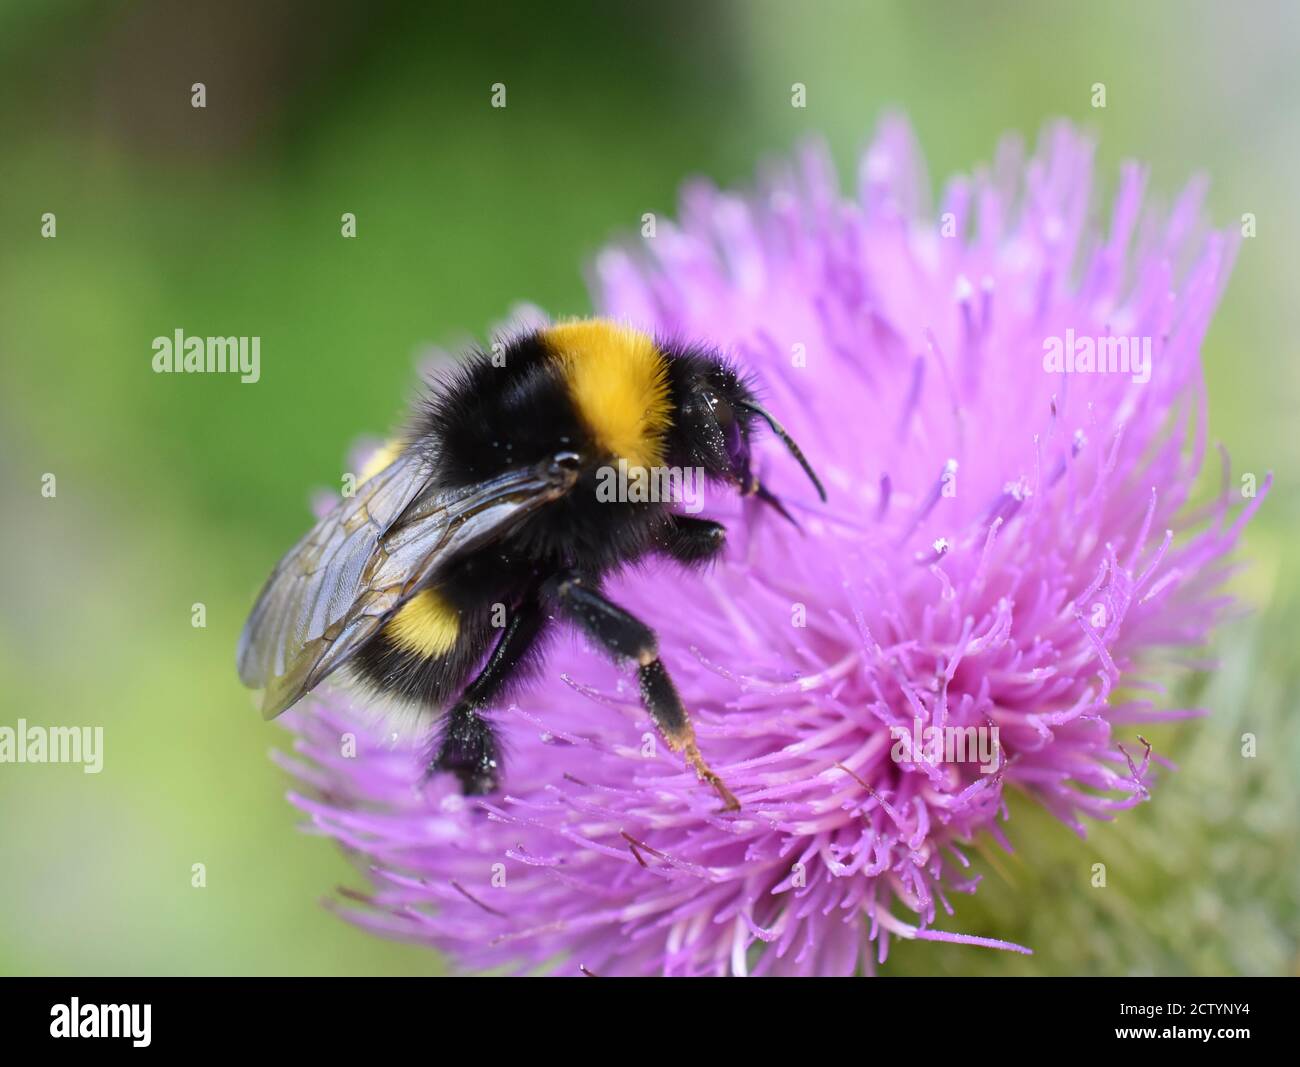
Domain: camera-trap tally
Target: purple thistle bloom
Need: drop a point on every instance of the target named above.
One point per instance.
(1006, 544)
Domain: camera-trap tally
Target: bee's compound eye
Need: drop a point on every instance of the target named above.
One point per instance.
(565, 465)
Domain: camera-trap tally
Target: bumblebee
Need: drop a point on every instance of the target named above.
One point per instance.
(436, 581)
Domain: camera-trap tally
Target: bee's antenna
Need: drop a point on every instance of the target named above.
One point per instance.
(764, 494)
(786, 440)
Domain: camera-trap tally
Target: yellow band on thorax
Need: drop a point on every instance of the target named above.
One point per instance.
(618, 381)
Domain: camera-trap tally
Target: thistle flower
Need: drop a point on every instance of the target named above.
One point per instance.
(1007, 545)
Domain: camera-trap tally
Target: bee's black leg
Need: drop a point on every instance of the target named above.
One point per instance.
(626, 637)
(690, 540)
(466, 743)
(467, 746)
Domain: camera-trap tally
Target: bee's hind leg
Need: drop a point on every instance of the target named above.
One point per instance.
(626, 637)
(466, 743)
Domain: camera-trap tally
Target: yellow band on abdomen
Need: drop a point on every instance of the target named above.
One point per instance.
(378, 460)
(427, 625)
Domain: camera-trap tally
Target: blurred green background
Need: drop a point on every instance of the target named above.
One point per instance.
(181, 489)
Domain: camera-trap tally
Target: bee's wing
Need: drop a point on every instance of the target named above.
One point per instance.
(337, 587)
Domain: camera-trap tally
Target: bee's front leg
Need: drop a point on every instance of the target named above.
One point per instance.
(690, 540)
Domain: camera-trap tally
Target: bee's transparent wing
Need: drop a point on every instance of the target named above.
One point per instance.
(336, 587)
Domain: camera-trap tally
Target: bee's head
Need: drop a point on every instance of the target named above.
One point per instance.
(717, 419)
